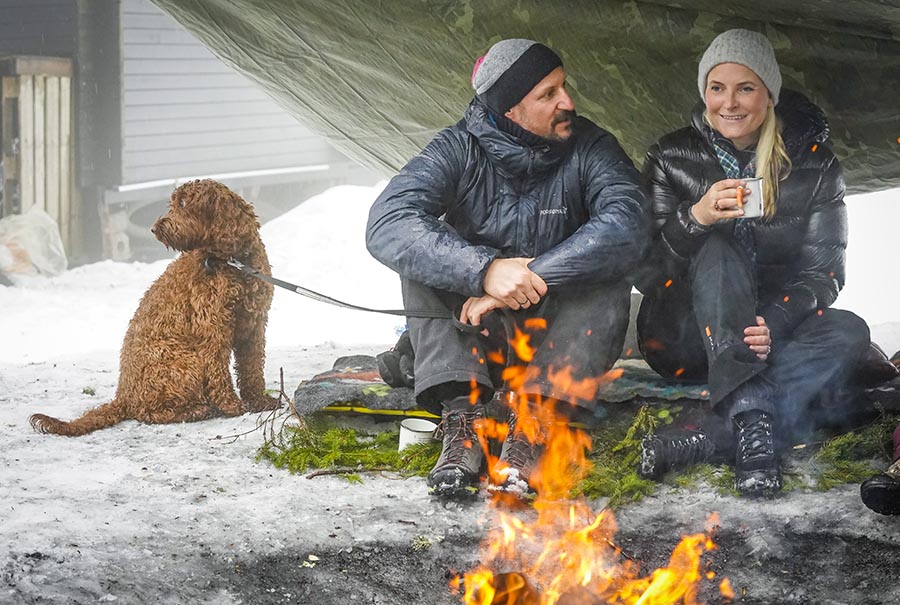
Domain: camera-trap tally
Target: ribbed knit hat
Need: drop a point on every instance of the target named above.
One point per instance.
(748, 48)
(509, 70)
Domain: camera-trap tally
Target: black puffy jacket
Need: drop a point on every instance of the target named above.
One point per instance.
(800, 251)
(477, 193)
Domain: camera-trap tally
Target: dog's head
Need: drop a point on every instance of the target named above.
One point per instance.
(207, 215)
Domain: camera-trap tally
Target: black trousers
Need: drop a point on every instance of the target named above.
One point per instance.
(584, 333)
(693, 330)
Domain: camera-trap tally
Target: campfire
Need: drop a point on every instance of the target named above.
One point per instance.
(564, 553)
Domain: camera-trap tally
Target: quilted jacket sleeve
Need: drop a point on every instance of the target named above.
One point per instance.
(817, 276)
(677, 231)
(675, 235)
(405, 232)
(615, 235)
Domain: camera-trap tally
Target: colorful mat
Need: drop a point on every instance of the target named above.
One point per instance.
(353, 385)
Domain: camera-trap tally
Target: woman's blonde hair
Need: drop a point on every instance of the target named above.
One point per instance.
(772, 161)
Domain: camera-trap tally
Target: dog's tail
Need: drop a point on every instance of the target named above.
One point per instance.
(101, 417)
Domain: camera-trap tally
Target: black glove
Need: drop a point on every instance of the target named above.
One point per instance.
(396, 365)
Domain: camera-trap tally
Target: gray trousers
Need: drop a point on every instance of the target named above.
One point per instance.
(585, 331)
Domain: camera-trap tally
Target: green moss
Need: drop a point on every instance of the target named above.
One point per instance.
(322, 445)
(718, 477)
(616, 454)
(848, 458)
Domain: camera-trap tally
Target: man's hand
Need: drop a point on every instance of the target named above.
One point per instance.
(758, 338)
(477, 307)
(510, 281)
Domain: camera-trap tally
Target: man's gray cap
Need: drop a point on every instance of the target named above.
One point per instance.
(509, 70)
(748, 48)
(498, 59)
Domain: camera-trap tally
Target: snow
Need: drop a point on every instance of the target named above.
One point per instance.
(145, 513)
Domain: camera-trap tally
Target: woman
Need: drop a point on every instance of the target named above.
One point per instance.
(742, 303)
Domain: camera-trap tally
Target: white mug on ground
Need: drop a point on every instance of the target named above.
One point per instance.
(416, 430)
(753, 198)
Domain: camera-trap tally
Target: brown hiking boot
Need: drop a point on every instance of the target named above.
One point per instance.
(517, 463)
(457, 471)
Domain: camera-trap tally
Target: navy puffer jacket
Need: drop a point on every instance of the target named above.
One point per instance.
(800, 251)
(477, 193)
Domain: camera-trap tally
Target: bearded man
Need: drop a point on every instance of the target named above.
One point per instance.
(523, 210)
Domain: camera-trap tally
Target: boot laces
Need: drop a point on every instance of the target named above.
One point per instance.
(520, 453)
(756, 439)
(457, 428)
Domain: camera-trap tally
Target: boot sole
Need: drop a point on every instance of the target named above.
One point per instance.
(454, 493)
(453, 484)
(881, 497)
(648, 467)
(758, 484)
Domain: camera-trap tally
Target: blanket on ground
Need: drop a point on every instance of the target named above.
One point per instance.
(354, 385)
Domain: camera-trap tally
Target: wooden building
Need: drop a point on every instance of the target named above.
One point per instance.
(108, 105)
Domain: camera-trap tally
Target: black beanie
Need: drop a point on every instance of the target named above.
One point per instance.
(509, 70)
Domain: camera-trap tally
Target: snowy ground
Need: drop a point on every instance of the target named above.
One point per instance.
(183, 513)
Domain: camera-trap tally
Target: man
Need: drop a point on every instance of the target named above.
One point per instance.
(523, 208)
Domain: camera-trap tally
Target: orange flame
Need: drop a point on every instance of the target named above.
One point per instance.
(563, 552)
(520, 344)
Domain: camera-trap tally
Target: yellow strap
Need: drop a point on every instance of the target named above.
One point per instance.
(361, 410)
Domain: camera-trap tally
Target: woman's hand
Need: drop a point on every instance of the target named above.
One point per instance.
(759, 339)
(719, 203)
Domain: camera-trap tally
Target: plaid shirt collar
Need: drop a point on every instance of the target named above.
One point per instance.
(730, 164)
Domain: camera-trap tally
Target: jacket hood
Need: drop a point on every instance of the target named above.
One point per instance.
(515, 150)
(802, 121)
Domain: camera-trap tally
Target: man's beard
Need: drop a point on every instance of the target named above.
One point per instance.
(559, 118)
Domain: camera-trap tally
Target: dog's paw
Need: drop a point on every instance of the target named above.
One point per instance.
(232, 407)
(262, 403)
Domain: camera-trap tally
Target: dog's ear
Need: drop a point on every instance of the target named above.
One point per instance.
(212, 194)
(237, 226)
(181, 195)
(233, 206)
(193, 193)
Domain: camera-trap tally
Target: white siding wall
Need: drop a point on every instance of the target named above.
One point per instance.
(185, 113)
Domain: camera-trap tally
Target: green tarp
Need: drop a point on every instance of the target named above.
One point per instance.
(380, 77)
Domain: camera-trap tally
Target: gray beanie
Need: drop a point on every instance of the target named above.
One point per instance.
(509, 70)
(748, 48)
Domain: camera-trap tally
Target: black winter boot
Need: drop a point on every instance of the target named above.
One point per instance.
(756, 469)
(518, 461)
(396, 365)
(673, 450)
(457, 471)
(881, 492)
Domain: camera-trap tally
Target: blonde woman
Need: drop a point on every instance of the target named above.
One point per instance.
(744, 303)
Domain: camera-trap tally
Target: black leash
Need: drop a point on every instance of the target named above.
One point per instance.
(232, 262)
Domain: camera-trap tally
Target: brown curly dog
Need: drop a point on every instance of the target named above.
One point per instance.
(174, 364)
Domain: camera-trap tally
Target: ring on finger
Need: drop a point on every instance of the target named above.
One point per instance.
(716, 205)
